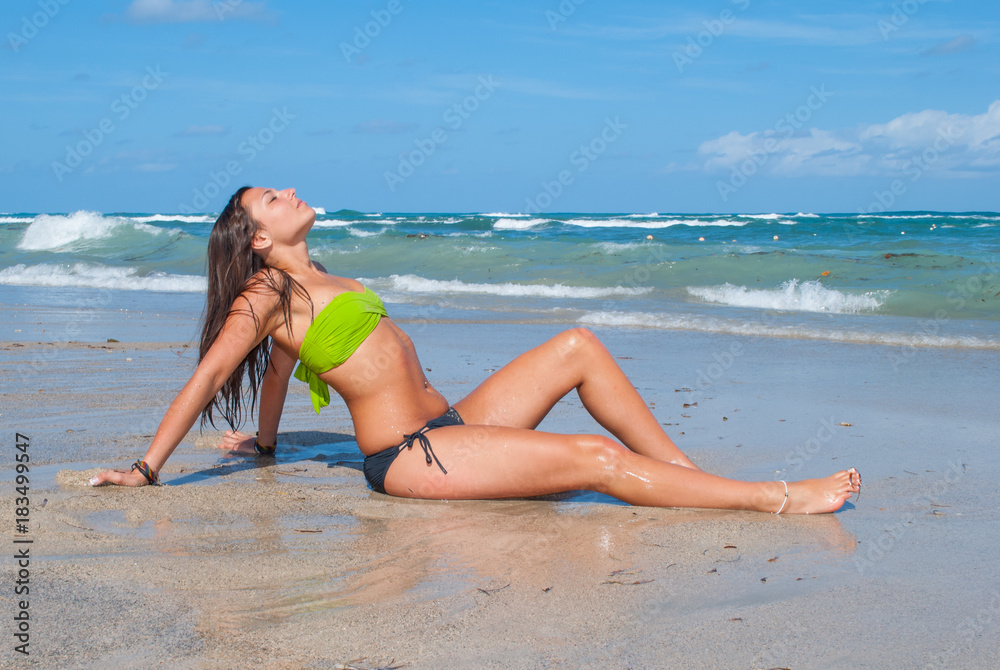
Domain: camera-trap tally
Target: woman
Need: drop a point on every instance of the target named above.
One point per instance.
(262, 284)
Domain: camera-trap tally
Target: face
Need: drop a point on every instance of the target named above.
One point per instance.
(279, 213)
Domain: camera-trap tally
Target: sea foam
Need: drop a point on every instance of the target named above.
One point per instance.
(703, 324)
(662, 223)
(337, 223)
(810, 296)
(417, 284)
(517, 224)
(84, 275)
(357, 232)
(50, 232)
(182, 218)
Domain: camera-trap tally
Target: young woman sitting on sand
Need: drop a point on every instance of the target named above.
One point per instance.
(263, 285)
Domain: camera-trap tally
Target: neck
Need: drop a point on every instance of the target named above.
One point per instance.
(293, 260)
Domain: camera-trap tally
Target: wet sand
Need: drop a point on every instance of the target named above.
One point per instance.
(295, 563)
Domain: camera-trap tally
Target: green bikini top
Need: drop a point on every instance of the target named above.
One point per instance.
(336, 333)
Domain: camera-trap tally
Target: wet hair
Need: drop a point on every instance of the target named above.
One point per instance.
(233, 269)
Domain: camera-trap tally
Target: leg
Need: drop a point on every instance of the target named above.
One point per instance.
(520, 394)
(486, 462)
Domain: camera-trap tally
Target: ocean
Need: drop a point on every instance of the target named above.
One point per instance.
(904, 279)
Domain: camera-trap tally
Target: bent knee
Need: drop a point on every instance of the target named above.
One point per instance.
(606, 459)
(576, 341)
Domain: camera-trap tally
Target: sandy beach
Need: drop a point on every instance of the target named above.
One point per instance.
(783, 223)
(295, 563)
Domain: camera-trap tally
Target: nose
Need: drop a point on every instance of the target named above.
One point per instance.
(289, 192)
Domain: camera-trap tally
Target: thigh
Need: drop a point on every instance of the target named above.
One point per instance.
(520, 394)
(495, 462)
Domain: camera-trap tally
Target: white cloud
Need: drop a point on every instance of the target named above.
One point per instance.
(784, 152)
(960, 43)
(191, 11)
(956, 144)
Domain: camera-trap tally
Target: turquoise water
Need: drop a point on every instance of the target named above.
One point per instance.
(905, 278)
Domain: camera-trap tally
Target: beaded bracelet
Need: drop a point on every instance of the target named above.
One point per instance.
(264, 450)
(147, 472)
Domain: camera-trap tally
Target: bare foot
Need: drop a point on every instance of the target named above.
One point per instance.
(822, 496)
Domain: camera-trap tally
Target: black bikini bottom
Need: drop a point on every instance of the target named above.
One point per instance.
(378, 463)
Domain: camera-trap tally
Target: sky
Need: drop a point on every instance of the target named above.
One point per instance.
(538, 106)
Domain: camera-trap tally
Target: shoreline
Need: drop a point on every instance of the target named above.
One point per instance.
(64, 316)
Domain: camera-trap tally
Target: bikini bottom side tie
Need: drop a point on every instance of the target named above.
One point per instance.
(377, 465)
(425, 444)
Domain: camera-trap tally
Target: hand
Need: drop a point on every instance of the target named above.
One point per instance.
(237, 443)
(119, 478)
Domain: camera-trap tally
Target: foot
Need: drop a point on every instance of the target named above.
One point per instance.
(821, 496)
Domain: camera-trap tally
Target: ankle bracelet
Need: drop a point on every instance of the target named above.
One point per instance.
(783, 501)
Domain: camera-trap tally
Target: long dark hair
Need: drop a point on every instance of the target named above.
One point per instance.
(233, 268)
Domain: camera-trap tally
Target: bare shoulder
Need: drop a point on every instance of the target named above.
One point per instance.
(260, 302)
(263, 290)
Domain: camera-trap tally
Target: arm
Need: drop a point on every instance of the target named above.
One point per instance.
(273, 389)
(236, 339)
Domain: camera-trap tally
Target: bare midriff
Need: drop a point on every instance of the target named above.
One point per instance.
(385, 389)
